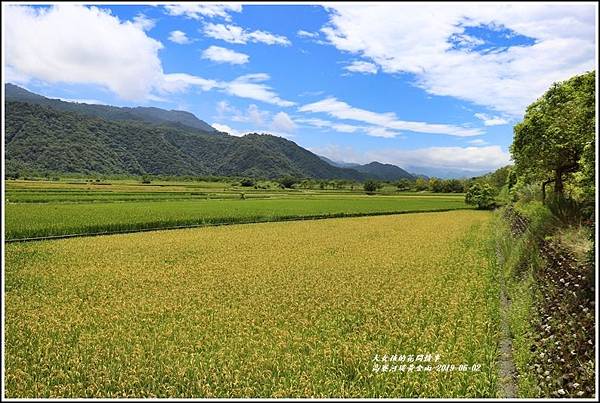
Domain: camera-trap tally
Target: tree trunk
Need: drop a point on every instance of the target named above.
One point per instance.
(558, 184)
(544, 184)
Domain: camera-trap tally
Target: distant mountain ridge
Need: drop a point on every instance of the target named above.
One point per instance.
(145, 114)
(375, 170)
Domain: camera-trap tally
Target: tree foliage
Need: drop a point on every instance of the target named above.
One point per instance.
(480, 195)
(45, 141)
(549, 143)
(371, 186)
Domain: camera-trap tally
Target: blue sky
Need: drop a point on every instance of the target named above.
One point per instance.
(417, 85)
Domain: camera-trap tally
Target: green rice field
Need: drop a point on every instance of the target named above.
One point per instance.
(57, 209)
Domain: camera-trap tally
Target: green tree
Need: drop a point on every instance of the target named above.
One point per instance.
(371, 186)
(549, 142)
(421, 184)
(287, 182)
(434, 185)
(480, 195)
(404, 184)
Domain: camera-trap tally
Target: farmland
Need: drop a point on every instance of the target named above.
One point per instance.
(287, 309)
(53, 209)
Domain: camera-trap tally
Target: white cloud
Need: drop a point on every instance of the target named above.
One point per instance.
(226, 129)
(251, 86)
(253, 114)
(347, 128)
(257, 120)
(283, 123)
(81, 101)
(87, 45)
(459, 158)
(179, 37)
(235, 34)
(466, 41)
(223, 108)
(77, 44)
(144, 22)
(223, 55)
(478, 142)
(358, 66)
(198, 11)
(420, 39)
(179, 82)
(389, 120)
(305, 34)
(491, 120)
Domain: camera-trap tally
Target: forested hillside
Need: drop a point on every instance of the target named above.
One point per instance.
(43, 140)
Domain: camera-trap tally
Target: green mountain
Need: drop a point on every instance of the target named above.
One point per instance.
(387, 172)
(374, 170)
(44, 139)
(143, 114)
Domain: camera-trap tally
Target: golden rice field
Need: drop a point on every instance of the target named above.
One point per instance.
(288, 309)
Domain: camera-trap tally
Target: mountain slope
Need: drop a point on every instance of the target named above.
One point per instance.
(144, 114)
(46, 140)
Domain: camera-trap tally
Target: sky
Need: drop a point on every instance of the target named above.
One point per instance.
(413, 84)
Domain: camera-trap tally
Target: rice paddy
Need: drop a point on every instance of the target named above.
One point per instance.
(54, 209)
(285, 309)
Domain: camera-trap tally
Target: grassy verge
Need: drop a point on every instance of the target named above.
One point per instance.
(519, 259)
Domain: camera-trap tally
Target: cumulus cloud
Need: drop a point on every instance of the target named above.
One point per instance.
(421, 38)
(236, 34)
(179, 37)
(77, 44)
(253, 114)
(144, 22)
(208, 10)
(491, 120)
(455, 158)
(388, 121)
(358, 66)
(283, 123)
(223, 55)
(87, 45)
(226, 129)
(257, 120)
